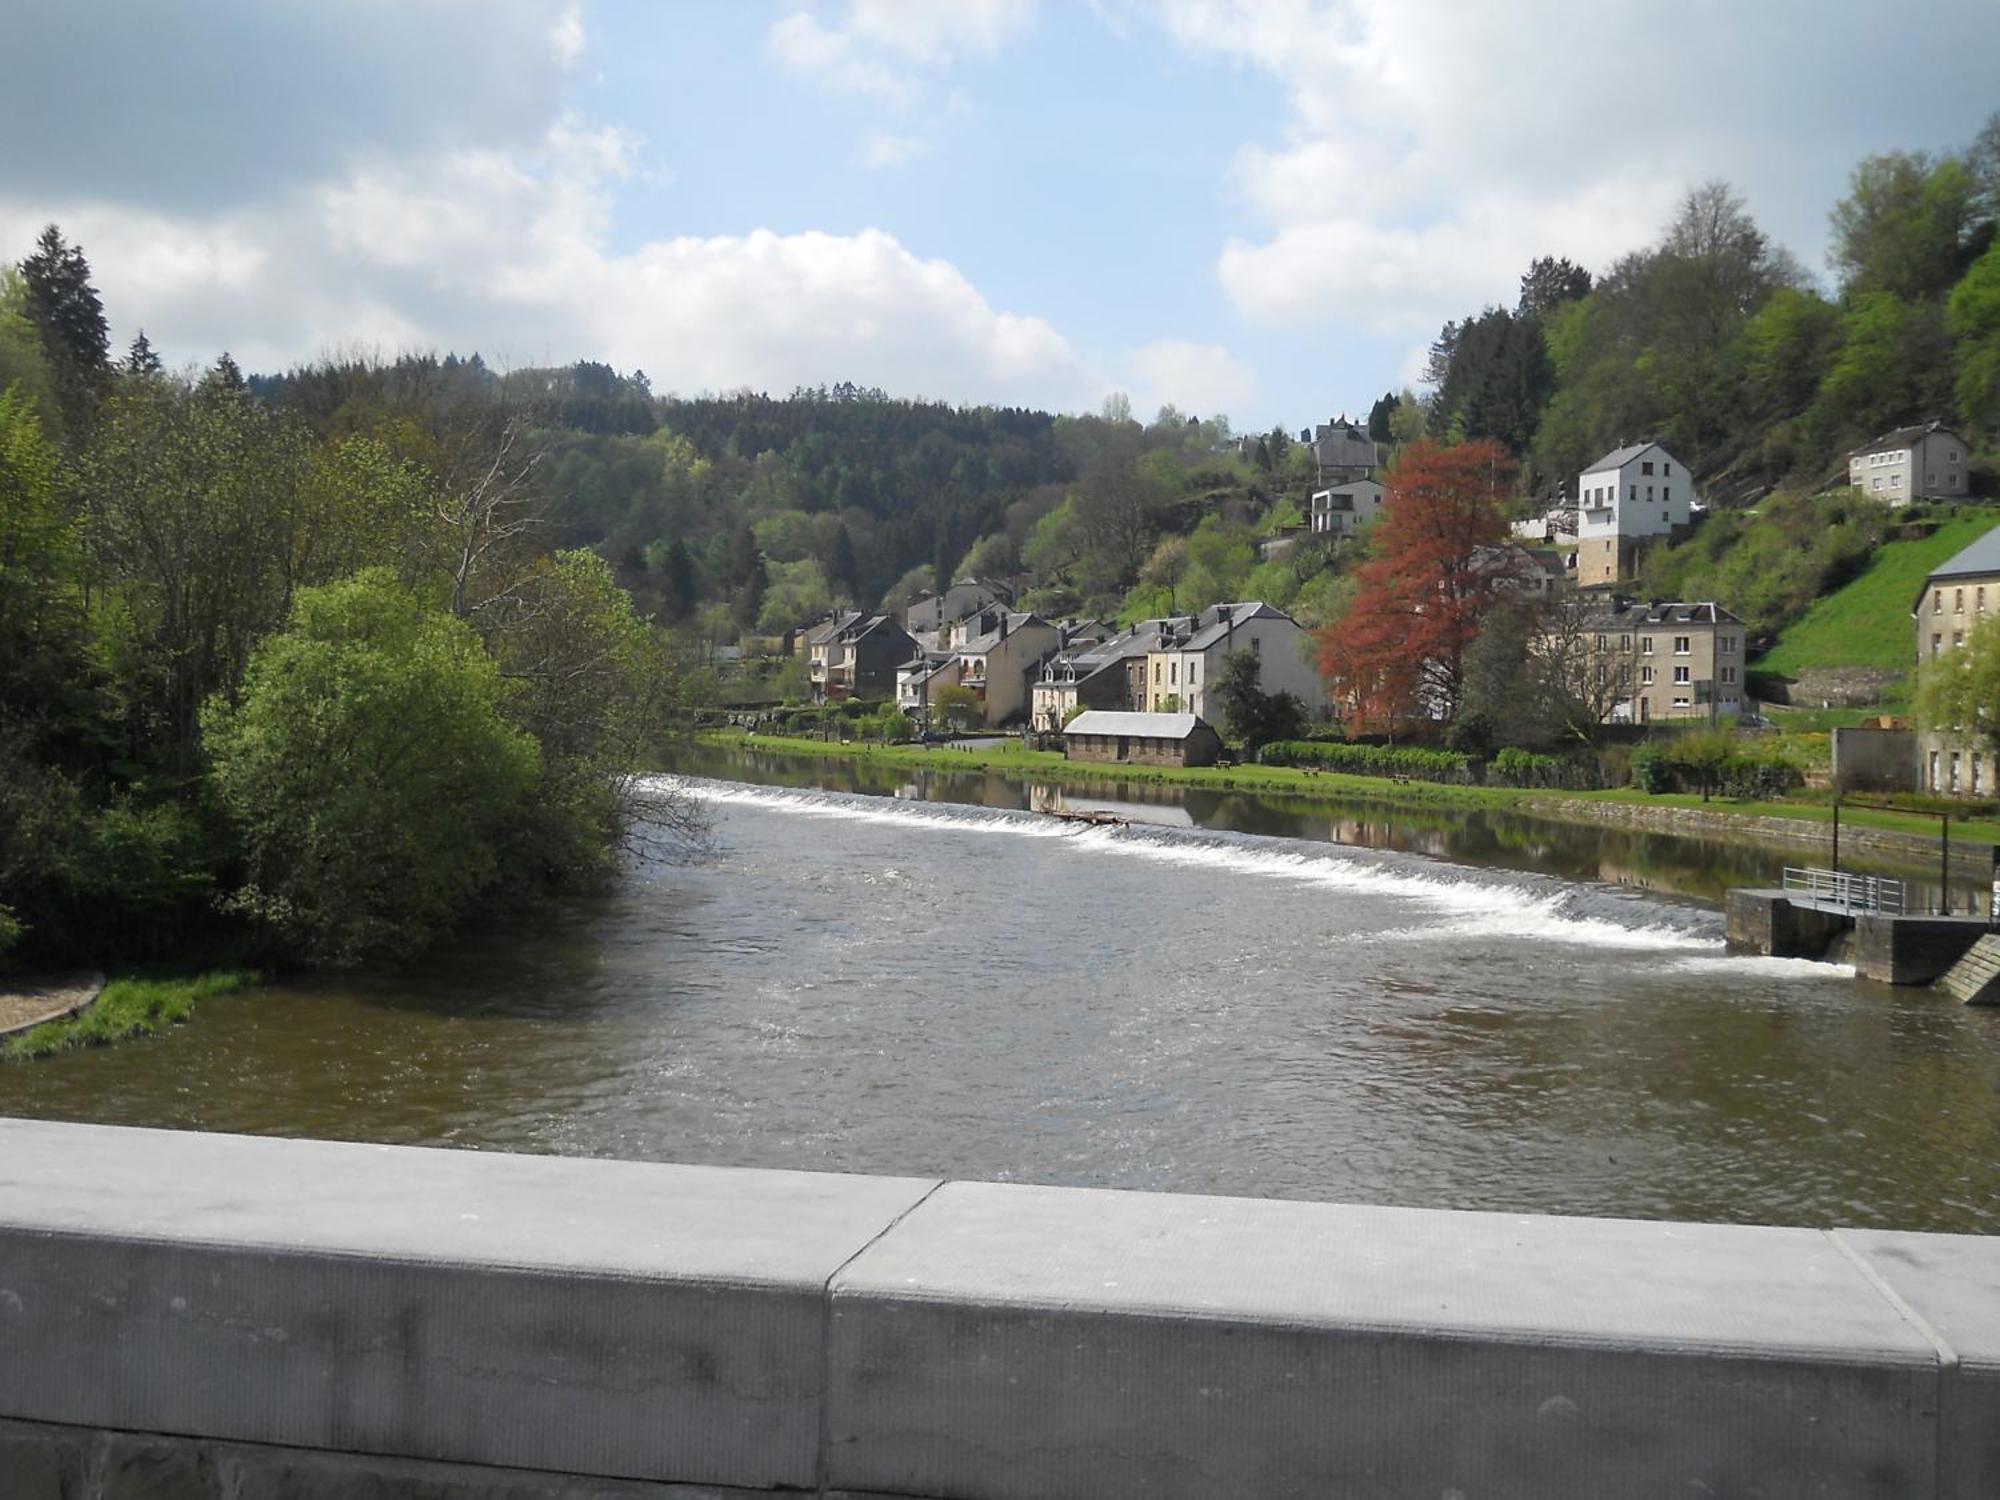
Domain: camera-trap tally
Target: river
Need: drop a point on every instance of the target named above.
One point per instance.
(920, 984)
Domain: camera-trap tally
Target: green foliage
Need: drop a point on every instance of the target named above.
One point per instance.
(1252, 717)
(1973, 316)
(1866, 622)
(64, 307)
(957, 708)
(368, 770)
(1958, 692)
(1517, 767)
(1417, 764)
(127, 1008)
(1714, 763)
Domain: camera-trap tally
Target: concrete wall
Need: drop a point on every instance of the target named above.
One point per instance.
(194, 1314)
(1875, 760)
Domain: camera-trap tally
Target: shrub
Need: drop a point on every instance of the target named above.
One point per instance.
(1372, 760)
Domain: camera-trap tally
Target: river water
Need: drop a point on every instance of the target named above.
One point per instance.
(872, 983)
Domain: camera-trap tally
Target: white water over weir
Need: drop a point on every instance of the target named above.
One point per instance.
(212, 1316)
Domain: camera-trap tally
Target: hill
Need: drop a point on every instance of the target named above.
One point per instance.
(1866, 623)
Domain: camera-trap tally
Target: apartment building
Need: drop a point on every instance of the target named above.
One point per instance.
(1628, 498)
(1925, 462)
(1955, 598)
(1665, 660)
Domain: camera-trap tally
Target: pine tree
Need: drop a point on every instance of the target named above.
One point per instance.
(677, 582)
(140, 358)
(69, 318)
(841, 566)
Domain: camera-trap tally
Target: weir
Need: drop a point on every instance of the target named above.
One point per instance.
(207, 1315)
(1893, 947)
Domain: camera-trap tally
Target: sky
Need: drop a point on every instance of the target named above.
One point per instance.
(1256, 208)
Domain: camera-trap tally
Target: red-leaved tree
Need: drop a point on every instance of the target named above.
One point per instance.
(1398, 651)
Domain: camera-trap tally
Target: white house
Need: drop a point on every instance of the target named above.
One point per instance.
(1927, 462)
(1346, 508)
(1187, 653)
(1627, 498)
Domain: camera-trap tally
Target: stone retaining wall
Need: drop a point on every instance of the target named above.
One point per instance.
(371, 1320)
(1971, 857)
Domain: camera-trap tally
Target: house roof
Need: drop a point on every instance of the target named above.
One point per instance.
(1137, 726)
(1902, 437)
(1015, 622)
(831, 626)
(1617, 458)
(1213, 624)
(1623, 614)
(1981, 559)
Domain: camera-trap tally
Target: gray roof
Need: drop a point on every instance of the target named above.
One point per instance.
(1902, 437)
(833, 625)
(1981, 559)
(1213, 623)
(1137, 726)
(1617, 458)
(1015, 622)
(1625, 614)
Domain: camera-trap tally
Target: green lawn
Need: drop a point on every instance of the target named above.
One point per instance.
(1867, 623)
(127, 1008)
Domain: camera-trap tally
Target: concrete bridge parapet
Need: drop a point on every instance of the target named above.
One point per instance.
(248, 1316)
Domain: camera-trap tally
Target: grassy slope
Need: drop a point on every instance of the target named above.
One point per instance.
(1051, 766)
(1867, 623)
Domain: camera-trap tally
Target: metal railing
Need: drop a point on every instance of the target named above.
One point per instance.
(1830, 888)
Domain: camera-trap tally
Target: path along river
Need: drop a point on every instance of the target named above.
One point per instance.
(859, 982)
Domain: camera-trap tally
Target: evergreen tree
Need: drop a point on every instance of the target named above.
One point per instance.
(678, 586)
(69, 317)
(841, 566)
(1379, 415)
(140, 358)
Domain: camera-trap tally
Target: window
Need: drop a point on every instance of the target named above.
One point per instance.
(1958, 601)
(1156, 674)
(1729, 674)
(1930, 478)
(1666, 492)
(1666, 469)
(1875, 483)
(1682, 645)
(1681, 703)
(1603, 674)
(1981, 603)
(1624, 643)
(1951, 455)
(1173, 674)
(1646, 644)
(1957, 639)
(1645, 468)
(1645, 676)
(1937, 601)
(1601, 642)
(1937, 645)
(1954, 770)
(1725, 643)
(1649, 492)
(1680, 676)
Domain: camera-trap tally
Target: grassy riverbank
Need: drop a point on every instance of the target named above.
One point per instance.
(127, 1008)
(1049, 765)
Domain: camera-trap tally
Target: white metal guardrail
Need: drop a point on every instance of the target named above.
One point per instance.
(1830, 888)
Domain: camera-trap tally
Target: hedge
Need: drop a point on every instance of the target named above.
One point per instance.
(1373, 760)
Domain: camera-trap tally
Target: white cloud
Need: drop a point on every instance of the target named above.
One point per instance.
(1200, 379)
(1432, 149)
(885, 50)
(566, 35)
(510, 254)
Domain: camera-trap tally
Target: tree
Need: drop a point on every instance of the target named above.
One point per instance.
(43, 672)
(369, 771)
(1381, 415)
(1958, 694)
(1251, 716)
(840, 565)
(1973, 317)
(679, 587)
(745, 576)
(1905, 225)
(140, 358)
(992, 556)
(66, 312)
(957, 708)
(1166, 566)
(1399, 649)
(1548, 283)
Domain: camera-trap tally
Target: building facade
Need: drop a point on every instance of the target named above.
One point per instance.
(1629, 497)
(1926, 462)
(1342, 451)
(852, 655)
(1956, 598)
(1142, 739)
(1186, 654)
(1344, 509)
(1663, 661)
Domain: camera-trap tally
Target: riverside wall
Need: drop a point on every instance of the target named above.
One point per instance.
(203, 1315)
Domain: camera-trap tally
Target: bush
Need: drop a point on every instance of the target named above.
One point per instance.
(1372, 760)
(369, 772)
(1714, 764)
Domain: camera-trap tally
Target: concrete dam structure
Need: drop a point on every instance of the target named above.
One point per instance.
(197, 1315)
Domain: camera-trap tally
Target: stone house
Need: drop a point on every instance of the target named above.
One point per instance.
(853, 655)
(1109, 673)
(1925, 462)
(999, 653)
(931, 612)
(1664, 660)
(1141, 739)
(1628, 498)
(1342, 451)
(1956, 596)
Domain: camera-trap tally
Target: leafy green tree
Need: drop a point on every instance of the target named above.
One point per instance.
(1973, 317)
(42, 652)
(1252, 717)
(957, 708)
(369, 771)
(1892, 365)
(22, 364)
(1958, 693)
(679, 586)
(67, 313)
(1905, 226)
(992, 556)
(1548, 283)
